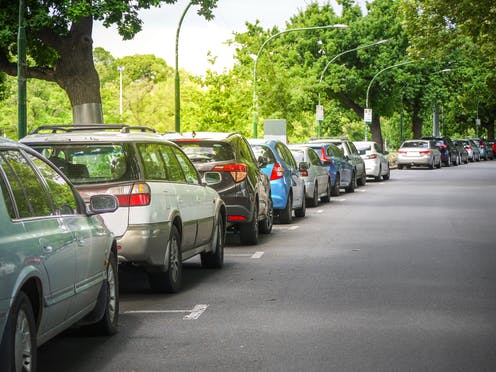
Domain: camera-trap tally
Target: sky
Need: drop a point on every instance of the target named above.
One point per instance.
(198, 36)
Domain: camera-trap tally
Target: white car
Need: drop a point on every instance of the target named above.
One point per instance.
(166, 214)
(376, 161)
(314, 173)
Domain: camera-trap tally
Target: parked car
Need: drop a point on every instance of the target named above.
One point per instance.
(472, 149)
(243, 187)
(339, 167)
(449, 153)
(58, 261)
(376, 161)
(418, 153)
(462, 151)
(316, 176)
(166, 213)
(286, 182)
(485, 152)
(351, 153)
(491, 149)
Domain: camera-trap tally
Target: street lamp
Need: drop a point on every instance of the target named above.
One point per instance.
(368, 90)
(21, 79)
(255, 118)
(333, 59)
(120, 68)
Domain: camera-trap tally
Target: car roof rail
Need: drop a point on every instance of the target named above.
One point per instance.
(123, 128)
(329, 138)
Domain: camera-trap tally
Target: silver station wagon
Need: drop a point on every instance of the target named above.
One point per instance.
(58, 261)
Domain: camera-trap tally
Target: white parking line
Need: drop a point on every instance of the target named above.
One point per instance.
(319, 211)
(193, 314)
(294, 227)
(257, 255)
(339, 199)
(238, 254)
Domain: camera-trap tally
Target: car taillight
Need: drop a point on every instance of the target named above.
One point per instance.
(425, 152)
(443, 147)
(237, 170)
(235, 218)
(468, 148)
(401, 152)
(304, 172)
(277, 172)
(134, 195)
(372, 156)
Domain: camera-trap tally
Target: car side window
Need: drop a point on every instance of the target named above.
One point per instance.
(314, 158)
(286, 155)
(30, 197)
(174, 170)
(247, 152)
(353, 149)
(7, 197)
(60, 191)
(153, 163)
(188, 168)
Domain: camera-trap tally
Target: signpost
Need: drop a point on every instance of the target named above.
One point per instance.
(319, 114)
(367, 116)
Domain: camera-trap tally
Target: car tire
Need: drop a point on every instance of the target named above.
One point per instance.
(18, 350)
(353, 183)
(327, 197)
(265, 226)
(107, 325)
(336, 190)
(286, 214)
(378, 177)
(169, 281)
(314, 200)
(438, 166)
(215, 258)
(248, 232)
(363, 179)
(387, 176)
(302, 211)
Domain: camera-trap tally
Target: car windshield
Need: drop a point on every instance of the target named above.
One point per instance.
(420, 144)
(266, 152)
(363, 148)
(207, 151)
(91, 163)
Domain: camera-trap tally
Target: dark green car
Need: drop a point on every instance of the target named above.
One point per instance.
(58, 261)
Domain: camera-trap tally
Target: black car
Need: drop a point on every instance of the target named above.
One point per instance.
(243, 187)
(462, 151)
(449, 153)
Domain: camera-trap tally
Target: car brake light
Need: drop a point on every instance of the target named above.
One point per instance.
(235, 218)
(304, 172)
(277, 172)
(401, 152)
(469, 147)
(372, 156)
(133, 195)
(237, 170)
(442, 147)
(425, 152)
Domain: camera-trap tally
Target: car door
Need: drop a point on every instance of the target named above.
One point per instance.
(197, 207)
(90, 240)
(321, 173)
(54, 240)
(298, 184)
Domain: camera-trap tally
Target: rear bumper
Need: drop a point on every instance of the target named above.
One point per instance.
(144, 244)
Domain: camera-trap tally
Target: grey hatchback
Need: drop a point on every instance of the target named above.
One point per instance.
(58, 260)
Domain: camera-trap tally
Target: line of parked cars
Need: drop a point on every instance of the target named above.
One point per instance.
(78, 202)
(437, 151)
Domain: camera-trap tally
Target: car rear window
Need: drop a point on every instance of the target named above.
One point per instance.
(207, 151)
(264, 151)
(92, 163)
(420, 144)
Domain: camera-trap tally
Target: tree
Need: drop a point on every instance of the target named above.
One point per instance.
(59, 43)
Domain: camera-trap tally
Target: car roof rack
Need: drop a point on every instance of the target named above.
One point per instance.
(342, 138)
(122, 128)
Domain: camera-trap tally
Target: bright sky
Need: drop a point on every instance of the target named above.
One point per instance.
(198, 36)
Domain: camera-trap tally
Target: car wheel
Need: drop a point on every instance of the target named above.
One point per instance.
(387, 176)
(353, 183)
(169, 281)
(314, 201)
(215, 258)
(300, 212)
(286, 214)
(400, 166)
(438, 166)
(18, 350)
(336, 189)
(107, 325)
(362, 181)
(249, 231)
(378, 177)
(327, 197)
(265, 226)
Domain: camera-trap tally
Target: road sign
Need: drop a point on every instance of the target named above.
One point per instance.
(367, 116)
(319, 112)
(477, 121)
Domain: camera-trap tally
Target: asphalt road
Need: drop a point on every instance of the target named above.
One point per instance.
(398, 276)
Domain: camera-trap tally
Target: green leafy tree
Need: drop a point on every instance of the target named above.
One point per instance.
(59, 42)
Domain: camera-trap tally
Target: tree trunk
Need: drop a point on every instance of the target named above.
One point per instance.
(376, 131)
(416, 122)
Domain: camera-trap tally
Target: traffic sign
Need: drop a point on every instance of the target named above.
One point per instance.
(367, 116)
(319, 112)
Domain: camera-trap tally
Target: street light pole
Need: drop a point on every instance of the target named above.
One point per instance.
(370, 84)
(332, 60)
(21, 79)
(177, 95)
(120, 68)
(255, 99)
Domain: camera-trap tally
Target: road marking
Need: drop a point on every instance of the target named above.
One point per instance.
(238, 254)
(193, 314)
(339, 199)
(361, 190)
(320, 211)
(294, 227)
(257, 255)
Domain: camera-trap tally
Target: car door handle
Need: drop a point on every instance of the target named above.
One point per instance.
(47, 249)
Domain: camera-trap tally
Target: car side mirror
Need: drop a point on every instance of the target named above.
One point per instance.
(211, 178)
(104, 203)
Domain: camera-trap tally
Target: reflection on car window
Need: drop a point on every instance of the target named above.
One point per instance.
(266, 152)
(189, 169)
(29, 195)
(153, 162)
(207, 151)
(174, 171)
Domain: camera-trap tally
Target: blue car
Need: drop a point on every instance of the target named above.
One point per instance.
(340, 169)
(286, 182)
